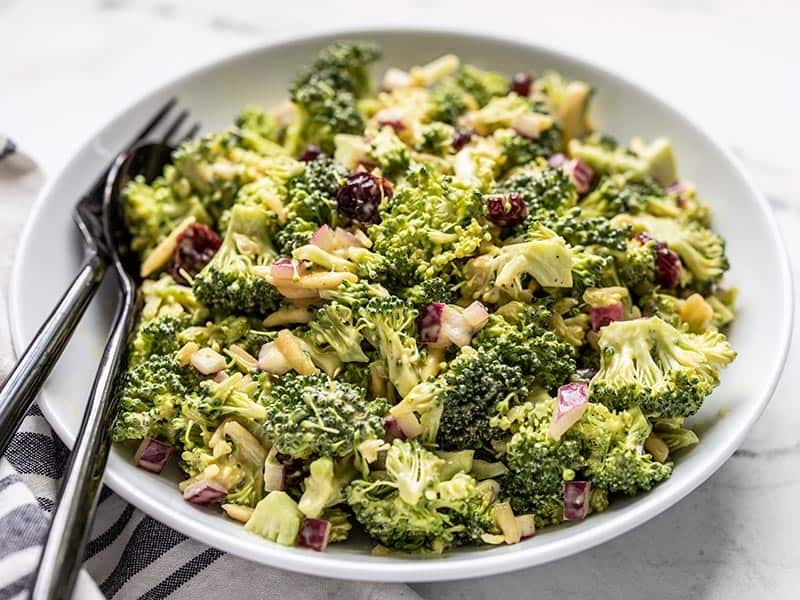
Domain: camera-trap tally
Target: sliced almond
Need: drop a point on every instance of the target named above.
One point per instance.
(288, 316)
(237, 512)
(184, 355)
(290, 347)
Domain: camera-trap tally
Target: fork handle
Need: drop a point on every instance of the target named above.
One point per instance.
(63, 550)
(35, 364)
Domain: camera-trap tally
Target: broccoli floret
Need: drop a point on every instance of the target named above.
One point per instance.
(437, 139)
(636, 265)
(667, 372)
(520, 150)
(259, 130)
(615, 194)
(546, 260)
(664, 306)
(471, 387)
(334, 326)
(151, 396)
(482, 85)
(543, 189)
(446, 102)
(410, 507)
(324, 487)
(327, 94)
(165, 297)
(430, 224)
(389, 324)
(699, 248)
(153, 211)
(277, 519)
(236, 396)
(624, 466)
(220, 334)
(354, 295)
(569, 100)
(502, 114)
(455, 408)
(314, 415)
(216, 166)
(435, 289)
(388, 152)
(539, 465)
(228, 281)
(637, 162)
(521, 340)
(590, 269)
(311, 202)
(156, 336)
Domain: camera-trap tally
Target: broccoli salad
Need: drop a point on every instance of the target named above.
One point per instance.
(441, 308)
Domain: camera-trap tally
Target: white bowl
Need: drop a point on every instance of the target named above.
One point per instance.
(49, 254)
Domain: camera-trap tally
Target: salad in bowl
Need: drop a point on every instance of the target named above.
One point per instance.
(440, 307)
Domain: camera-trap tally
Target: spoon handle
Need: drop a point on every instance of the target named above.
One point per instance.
(35, 364)
(63, 550)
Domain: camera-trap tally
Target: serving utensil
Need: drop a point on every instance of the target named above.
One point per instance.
(64, 548)
(36, 362)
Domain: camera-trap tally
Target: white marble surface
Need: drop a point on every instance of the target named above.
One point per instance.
(735, 65)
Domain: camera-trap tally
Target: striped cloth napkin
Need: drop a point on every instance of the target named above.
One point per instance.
(129, 555)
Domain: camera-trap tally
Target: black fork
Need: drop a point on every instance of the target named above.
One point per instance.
(36, 362)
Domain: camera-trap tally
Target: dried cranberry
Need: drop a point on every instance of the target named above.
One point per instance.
(521, 84)
(506, 210)
(361, 195)
(668, 266)
(311, 153)
(195, 246)
(461, 137)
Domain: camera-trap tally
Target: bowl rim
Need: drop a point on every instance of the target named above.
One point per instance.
(414, 570)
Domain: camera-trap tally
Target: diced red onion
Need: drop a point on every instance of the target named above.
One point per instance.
(274, 477)
(576, 500)
(476, 315)
(152, 455)
(581, 175)
(430, 323)
(314, 534)
(557, 160)
(603, 315)
(204, 493)
(283, 268)
(221, 376)
(393, 429)
(571, 403)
